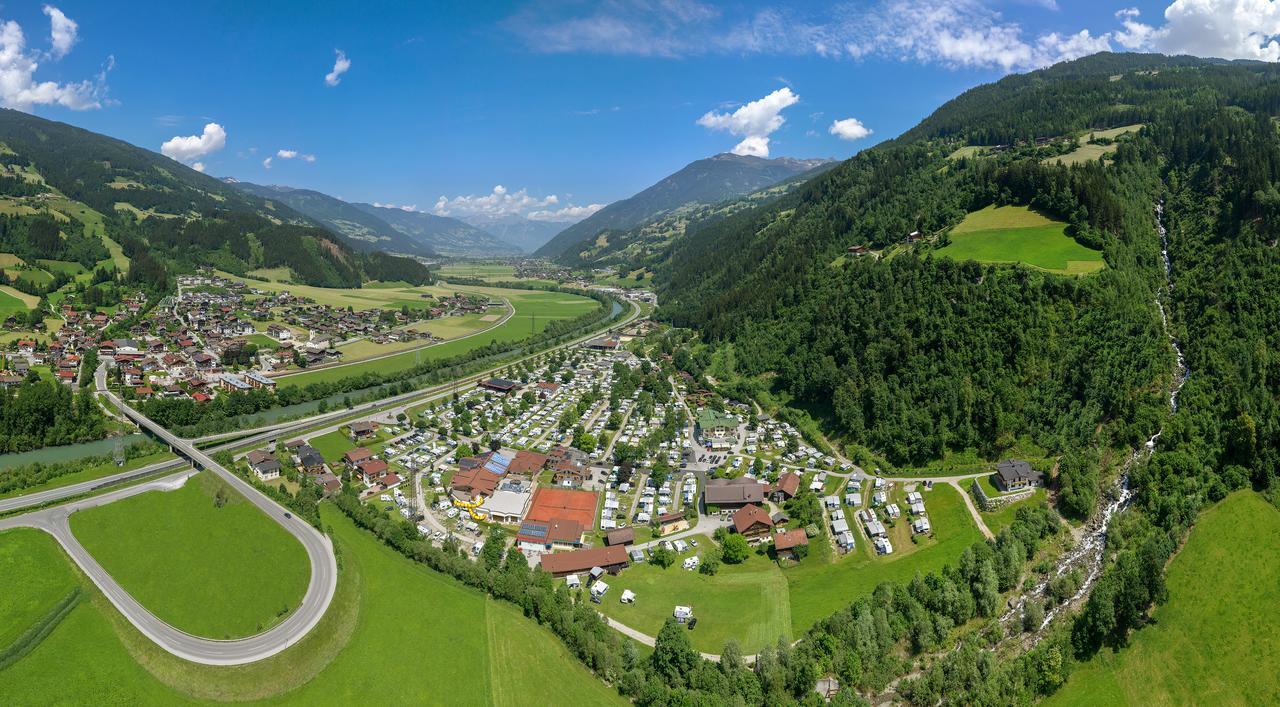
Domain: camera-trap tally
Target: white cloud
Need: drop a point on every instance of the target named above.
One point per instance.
(849, 129)
(197, 166)
(340, 66)
(1227, 29)
(266, 164)
(502, 202)
(754, 122)
(18, 87)
(192, 147)
(402, 207)
(294, 154)
(568, 213)
(62, 31)
(954, 33)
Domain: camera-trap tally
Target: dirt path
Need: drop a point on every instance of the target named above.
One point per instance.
(973, 510)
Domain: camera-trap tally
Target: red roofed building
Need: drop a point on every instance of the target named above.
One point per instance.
(611, 559)
(371, 470)
(527, 463)
(563, 504)
(467, 484)
(752, 522)
(786, 542)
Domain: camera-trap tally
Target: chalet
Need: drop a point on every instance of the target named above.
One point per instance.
(786, 542)
(786, 488)
(371, 470)
(468, 485)
(132, 376)
(310, 459)
(264, 465)
(1014, 475)
(610, 559)
(203, 361)
(355, 456)
(144, 392)
(752, 522)
(364, 429)
(26, 346)
(527, 463)
(857, 250)
(201, 397)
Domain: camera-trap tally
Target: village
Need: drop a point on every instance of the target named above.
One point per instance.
(591, 474)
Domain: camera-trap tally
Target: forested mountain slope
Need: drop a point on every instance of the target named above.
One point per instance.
(707, 181)
(442, 234)
(163, 213)
(363, 229)
(916, 355)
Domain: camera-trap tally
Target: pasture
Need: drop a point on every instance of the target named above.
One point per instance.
(202, 558)
(746, 602)
(13, 302)
(35, 579)
(1016, 234)
(1086, 152)
(461, 648)
(1217, 639)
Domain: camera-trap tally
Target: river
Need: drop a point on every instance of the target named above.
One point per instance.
(1089, 551)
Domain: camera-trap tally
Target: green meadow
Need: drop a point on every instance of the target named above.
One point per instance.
(202, 558)
(1217, 640)
(1016, 234)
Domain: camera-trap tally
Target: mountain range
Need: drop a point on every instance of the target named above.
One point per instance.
(706, 181)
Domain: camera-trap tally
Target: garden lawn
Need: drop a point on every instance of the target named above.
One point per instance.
(419, 638)
(333, 445)
(35, 578)
(1003, 518)
(262, 341)
(746, 602)
(1217, 639)
(821, 583)
(216, 572)
(1016, 234)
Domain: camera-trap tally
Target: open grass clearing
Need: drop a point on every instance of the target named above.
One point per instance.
(822, 583)
(218, 571)
(746, 602)
(1086, 152)
(1016, 234)
(1003, 518)
(1217, 639)
(282, 274)
(34, 580)
(489, 272)
(61, 266)
(9, 260)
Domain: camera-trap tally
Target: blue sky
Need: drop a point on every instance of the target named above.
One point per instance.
(565, 104)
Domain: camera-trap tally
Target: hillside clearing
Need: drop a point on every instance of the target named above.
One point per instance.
(1016, 234)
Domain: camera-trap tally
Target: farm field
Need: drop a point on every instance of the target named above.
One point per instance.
(489, 272)
(13, 301)
(746, 602)
(1086, 152)
(35, 579)
(1016, 234)
(1217, 639)
(466, 649)
(358, 298)
(183, 557)
(821, 583)
(533, 311)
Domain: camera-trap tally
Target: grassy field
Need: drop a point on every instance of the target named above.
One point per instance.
(1016, 234)
(273, 274)
(262, 341)
(9, 260)
(35, 579)
(533, 311)
(61, 266)
(10, 303)
(408, 636)
(1217, 640)
(822, 583)
(220, 572)
(489, 272)
(746, 602)
(1086, 152)
(333, 445)
(1003, 518)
